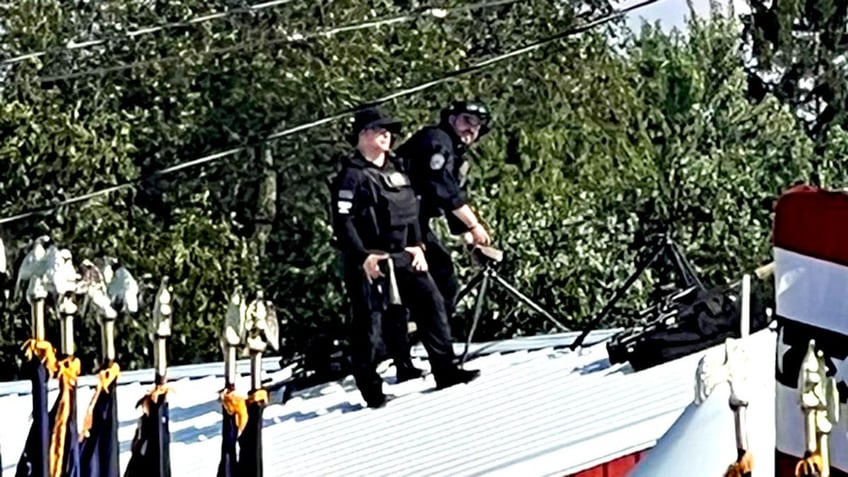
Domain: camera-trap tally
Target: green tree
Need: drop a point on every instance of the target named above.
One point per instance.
(640, 133)
(601, 140)
(157, 99)
(797, 52)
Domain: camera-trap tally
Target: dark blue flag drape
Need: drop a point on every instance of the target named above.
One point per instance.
(42, 364)
(151, 443)
(99, 448)
(250, 441)
(234, 411)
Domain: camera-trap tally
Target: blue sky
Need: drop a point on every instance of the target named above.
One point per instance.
(672, 13)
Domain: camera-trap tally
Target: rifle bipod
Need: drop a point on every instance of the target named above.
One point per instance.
(663, 246)
(487, 258)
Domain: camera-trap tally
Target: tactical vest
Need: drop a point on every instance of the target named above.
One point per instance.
(396, 200)
(394, 207)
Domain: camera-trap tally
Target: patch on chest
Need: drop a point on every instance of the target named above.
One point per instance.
(396, 180)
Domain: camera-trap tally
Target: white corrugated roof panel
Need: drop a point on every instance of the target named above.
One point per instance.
(537, 409)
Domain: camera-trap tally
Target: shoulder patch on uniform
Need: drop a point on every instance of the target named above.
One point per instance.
(345, 194)
(344, 206)
(437, 161)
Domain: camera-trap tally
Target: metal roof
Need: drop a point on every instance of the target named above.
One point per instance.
(702, 443)
(537, 409)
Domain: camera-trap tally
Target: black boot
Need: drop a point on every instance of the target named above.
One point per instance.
(375, 402)
(371, 388)
(453, 376)
(406, 371)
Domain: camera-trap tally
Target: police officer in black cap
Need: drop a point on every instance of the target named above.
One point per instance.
(376, 221)
(435, 157)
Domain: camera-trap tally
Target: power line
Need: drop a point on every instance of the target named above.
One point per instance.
(291, 38)
(72, 45)
(305, 126)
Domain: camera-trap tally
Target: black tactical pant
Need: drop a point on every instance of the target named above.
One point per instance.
(443, 272)
(374, 330)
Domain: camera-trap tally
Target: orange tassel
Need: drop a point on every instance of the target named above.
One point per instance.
(152, 396)
(69, 371)
(259, 396)
(45, 352)
(104, 379)
(742, 467)
(809, 466)
(236, 406)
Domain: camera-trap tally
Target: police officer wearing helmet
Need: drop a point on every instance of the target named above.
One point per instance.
(436, 162)
(376, 219)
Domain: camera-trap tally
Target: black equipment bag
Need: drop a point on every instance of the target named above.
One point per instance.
(684, 323)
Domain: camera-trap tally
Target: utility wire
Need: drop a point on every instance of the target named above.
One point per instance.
(72, 45)
(291, 38)
(305, 126)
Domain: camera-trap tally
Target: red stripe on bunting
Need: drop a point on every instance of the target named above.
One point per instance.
(814, 222)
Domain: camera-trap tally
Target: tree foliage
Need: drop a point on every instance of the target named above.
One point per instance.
(601, 140)
(797, 51)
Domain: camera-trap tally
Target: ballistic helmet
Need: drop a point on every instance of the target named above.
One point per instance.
(469, 107)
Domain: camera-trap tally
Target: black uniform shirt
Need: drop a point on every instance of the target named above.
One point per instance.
(438, 172)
